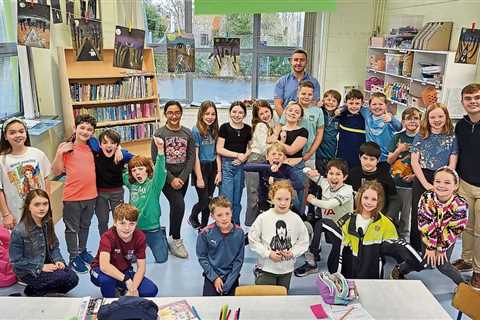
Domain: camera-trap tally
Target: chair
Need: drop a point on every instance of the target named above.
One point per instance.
(261, 290)
(466, 300)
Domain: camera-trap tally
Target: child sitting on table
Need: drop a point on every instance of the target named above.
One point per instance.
(278, 237)
(220, 250)
(112, 270)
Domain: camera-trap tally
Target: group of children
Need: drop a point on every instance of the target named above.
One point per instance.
(362, 177)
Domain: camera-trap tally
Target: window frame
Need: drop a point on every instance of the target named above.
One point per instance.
(258, 51)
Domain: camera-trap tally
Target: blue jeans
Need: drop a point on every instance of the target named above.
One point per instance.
(233, 181)
(299, 200)
(157, 241)
(108, 285)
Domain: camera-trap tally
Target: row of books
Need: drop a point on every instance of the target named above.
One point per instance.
(133, 131)
(124, 112)
(129, 88)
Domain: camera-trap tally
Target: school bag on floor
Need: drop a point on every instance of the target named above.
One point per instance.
(7, 276)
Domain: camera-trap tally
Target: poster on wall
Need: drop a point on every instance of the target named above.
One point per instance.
(33, 24)
(226, 56)
(128, 48)
(87, 39)
(56, 11)
(180, 52)
(468, 46)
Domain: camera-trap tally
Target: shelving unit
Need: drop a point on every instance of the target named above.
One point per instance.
(103, 72)
(454, 77)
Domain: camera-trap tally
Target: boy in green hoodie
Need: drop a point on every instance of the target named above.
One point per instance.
(145, 184)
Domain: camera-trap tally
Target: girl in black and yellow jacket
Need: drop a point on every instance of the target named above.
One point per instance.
(368, 236)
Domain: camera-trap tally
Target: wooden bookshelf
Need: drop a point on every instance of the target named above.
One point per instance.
(103, 72)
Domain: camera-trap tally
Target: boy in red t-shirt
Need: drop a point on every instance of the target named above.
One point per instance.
(112, 267)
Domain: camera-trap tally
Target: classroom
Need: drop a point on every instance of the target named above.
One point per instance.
(239, 159)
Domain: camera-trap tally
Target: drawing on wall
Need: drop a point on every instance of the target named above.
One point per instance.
(128, 47)
(69, 11)
(87, 39)
(468, 46)
(226, 56)
(56, 11)
(33, 24)
(180, 52)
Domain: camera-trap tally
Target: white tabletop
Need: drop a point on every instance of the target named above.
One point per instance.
(383, 299)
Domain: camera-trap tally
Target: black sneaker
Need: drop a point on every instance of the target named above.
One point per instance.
(246, 242)
(305, 270)
(194, 222)
(396, 274)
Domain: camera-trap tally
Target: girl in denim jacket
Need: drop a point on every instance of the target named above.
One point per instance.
(34, 251)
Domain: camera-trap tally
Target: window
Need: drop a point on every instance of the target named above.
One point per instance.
(266, 43)
(9, 75)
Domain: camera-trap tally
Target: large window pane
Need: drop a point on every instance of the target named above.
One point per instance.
(206, 85)
(163, 16)
(170, 85)
(282, 29)
(205, 28)
(271, 69)
(9, 87)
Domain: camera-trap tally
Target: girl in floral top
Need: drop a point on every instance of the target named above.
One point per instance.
(442, 216)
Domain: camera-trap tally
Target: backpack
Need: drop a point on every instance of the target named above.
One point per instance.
(335, 289)
(7, 276)
(128, 308)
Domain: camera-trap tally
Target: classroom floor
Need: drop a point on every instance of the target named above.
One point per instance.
(183, 277)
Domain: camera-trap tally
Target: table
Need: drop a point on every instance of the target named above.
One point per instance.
(383, 299)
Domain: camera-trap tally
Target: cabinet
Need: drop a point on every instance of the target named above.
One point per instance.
(417, 72)
(122, 99)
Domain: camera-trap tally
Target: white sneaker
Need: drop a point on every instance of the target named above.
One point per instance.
(177, 248)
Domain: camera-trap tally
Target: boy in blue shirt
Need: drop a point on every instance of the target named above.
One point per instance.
(380, 125)
(220, 250)
(328, 147)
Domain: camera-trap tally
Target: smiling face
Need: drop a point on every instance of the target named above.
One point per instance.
(38, 208)
(412, 123)
(354, 105)
(125, 229)
(209, 116)
(378, 106)
(335, 178)
(444, 185)
(140, 174)
(174, 116)
(223, 218)
(330, 103)
(16, 134)
(108, 147)
(305, 96)
(369, 201)
(293, 113)
(471, 103)
(437, 120)
(83, 132)
(282, 200)
(237, 114)
(368, 163)
(265, 114)
(298, 62)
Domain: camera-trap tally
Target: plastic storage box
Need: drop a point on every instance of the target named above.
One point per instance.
(393, 63)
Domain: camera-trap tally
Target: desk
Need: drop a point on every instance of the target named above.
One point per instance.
(383, 299)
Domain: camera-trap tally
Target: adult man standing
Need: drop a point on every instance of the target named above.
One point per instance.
(286, 87)
(467, 131)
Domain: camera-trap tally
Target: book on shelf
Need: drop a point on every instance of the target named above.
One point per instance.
(133, 131)
(123, 112)
(129, 88)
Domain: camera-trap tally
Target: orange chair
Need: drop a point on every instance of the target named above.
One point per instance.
(261, 290)
(466, 300)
